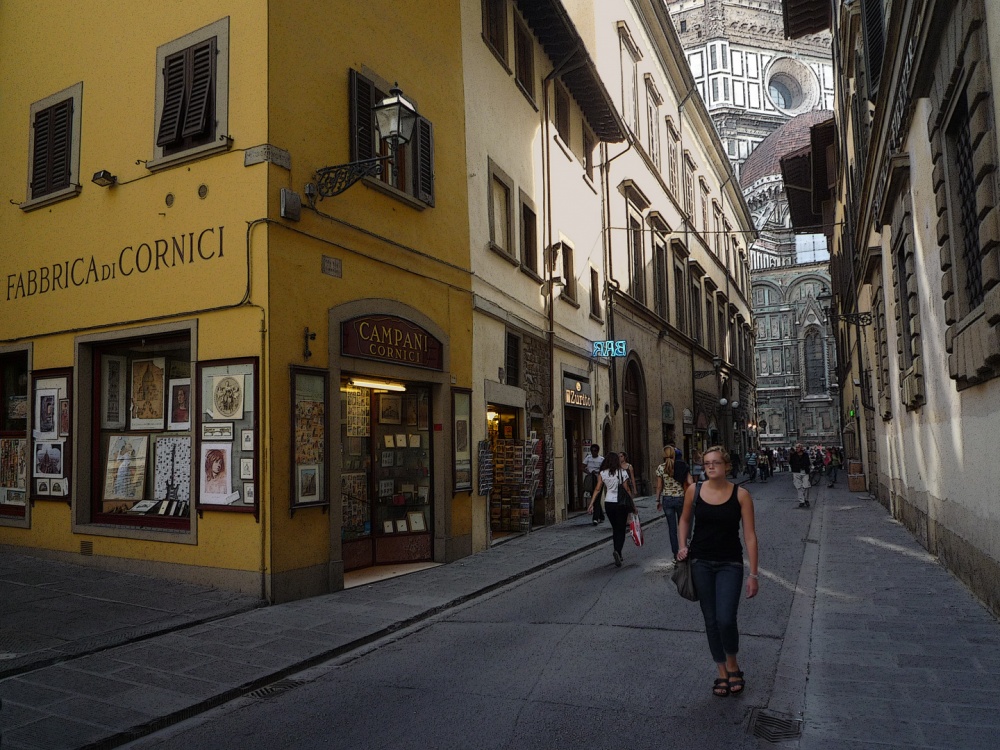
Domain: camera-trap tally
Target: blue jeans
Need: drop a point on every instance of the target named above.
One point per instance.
(718, 585)
(672, 507)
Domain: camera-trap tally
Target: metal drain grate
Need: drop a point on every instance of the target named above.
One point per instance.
(774, 727)
(274, 688)
(87, 548)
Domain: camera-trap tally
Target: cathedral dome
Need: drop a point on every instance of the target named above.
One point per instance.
(765, 160)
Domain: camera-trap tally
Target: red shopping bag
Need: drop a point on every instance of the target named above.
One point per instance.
(635, 528)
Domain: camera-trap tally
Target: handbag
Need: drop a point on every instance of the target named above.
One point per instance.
(683, 580)
(629, 501)
(635, 529)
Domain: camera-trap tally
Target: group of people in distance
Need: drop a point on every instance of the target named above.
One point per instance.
(702, 496)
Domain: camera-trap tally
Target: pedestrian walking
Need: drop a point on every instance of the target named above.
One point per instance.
(752, 465)
(764, 466)
(628, 471)
(615, 502)
(672, 478)
(834, 467)
(697, 472)
(735, 473)
(592, 467)
(718, 508)
(799, 464)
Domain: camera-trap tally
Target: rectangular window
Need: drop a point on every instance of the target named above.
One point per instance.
(512, 360)
(589, 144)
(529, 236)
(713, 58)
(715, 90)
(524, 57)
(679, 300)
(500, 215)
(696, 312)
(562, 112)
(672, 147)
(54, 148)
(595, 294)
(414, 161)
(143, 423)
(569, 271)
(653, 124)
(709, 321)
(495, 26)
(660, 276)
(192, 95)
(704, 206)
(637, 265)
(722, 328)
(688, 187)
(14, 408)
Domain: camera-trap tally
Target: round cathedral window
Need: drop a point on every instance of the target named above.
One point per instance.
(791, 86)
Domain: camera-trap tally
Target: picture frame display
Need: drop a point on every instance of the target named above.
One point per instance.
(148, 394)
(215, 474)
(227, 395)
(225, 470)
(46, 425)
(48, 459)
(307, 483)
(309, 436)
(415, 518)
(172, 469)
(125, 467)
(217, 431)
(114, 389)
(49, 452)
(179, 408)
(390, 408)
(461, 399)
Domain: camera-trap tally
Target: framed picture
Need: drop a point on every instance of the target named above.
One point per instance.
(249, 493)
(114, 373)
(172, 469)
(58, 487)
(216, 430)
(246, 440)
(148, 393)
(180, 404)
(48, 459)
(401, 524)
(42, 487)
(423, 493)
(215, 479)
(64, 419)
(309, 444)
(400, 441)
(307, 483)
(386, 487)
(246, 468)
(387, 459)
(416, 520)
(125, 467)
(387, 527)
(390, 408)
(461, 403)
(410, 410)
(226, 397)
(423, 409)
(390, 441)
(46, 425)
(415, 440)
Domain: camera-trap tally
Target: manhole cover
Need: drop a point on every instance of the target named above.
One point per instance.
(774, 727)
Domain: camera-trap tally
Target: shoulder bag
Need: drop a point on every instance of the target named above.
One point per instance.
(628, 500)
(682, 568)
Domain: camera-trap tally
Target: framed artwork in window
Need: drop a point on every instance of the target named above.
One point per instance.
(148, 394)
(461, 403)
(179, 392)
(309, 443)
(390, 408)
(50, 439)
(125, 468)
(46, 425)
(226, 466)
(114, 388)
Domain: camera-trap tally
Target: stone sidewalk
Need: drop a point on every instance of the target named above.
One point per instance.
(883, 649)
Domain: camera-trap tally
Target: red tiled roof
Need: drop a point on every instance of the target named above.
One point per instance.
(790, 137)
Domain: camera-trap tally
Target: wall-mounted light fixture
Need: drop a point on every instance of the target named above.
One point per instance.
(104, 178)
(394, 118)
(380, 385)
(826, 300)
(308, 336)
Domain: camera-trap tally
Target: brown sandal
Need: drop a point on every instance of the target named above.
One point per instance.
(720, 688)
(736, 682)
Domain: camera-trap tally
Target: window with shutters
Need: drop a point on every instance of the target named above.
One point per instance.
(512, 360)
(562, 112)
(524, 58)
(54, 148)
(529, 236)
(414, 176)
(501, 189)
(192, 96)
(595, 294)
(568, 272)
(495, 27)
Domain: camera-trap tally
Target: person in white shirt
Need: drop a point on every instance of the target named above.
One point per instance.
(615, 502)
(591, 468)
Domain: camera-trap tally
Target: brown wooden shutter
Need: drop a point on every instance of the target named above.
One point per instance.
(362, 123)
(873, 24)
(423, 158)
(199, 107)
(50, 159)
(173, 99)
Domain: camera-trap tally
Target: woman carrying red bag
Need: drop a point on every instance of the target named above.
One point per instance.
(615, 502)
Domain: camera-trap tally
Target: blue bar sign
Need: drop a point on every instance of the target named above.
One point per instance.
(609, 349)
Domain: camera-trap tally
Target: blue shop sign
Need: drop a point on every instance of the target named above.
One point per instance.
(609, 349)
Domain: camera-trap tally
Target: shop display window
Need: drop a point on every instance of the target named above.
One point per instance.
(309, 415)
(52, 443)
(13, 433)
(142, 442)
(385, 461)
(226, 466)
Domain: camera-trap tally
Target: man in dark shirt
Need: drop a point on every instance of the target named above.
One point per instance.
(799, 464)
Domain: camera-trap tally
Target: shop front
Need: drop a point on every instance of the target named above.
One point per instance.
(391, 378)
(578, 404)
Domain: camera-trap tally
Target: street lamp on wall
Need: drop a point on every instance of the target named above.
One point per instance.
(825, 299)
(394, 118)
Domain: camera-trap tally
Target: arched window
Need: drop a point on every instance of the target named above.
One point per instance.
(815, 364)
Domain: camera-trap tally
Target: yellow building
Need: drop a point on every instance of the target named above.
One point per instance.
(201, 354)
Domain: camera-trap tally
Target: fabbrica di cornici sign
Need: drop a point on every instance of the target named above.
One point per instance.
(609, 349)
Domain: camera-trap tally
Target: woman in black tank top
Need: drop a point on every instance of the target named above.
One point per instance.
(718, 508)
